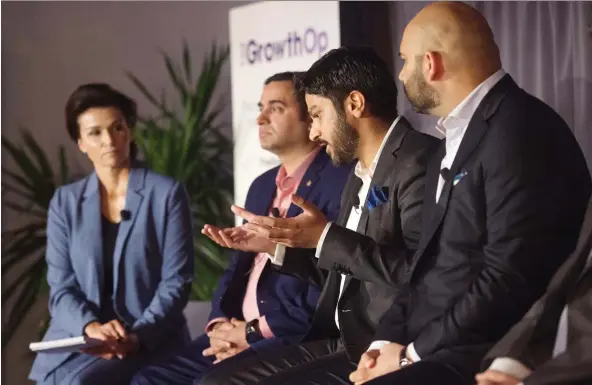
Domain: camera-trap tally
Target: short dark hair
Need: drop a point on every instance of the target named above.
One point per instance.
(93, 95)
(292, 76)
(343, 70)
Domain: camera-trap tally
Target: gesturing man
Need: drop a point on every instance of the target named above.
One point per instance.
(351, 97)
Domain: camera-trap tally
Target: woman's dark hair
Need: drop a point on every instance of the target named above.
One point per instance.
(346, 69)
(99, 95)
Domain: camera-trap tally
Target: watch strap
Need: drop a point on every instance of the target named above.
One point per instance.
(403, 360)
(253, 333)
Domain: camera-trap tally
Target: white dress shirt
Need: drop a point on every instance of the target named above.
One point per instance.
(365, 174)
(453, 127)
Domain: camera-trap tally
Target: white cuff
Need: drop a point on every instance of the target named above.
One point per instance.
(377, 345)
(322, 240)
(413, 353)
(510, 367)
(278, 257)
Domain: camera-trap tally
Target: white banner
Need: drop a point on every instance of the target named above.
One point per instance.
(267, 38)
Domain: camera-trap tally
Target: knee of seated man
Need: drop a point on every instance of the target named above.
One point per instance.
(86, 378)
(140, 378)
(215, 377)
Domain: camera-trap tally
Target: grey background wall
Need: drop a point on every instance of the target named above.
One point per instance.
(48, 48)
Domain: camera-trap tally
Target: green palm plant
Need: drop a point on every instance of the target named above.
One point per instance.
(190, 147)
(27, 189)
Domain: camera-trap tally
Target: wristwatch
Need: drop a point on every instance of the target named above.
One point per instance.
(403, 360)
(253, 333)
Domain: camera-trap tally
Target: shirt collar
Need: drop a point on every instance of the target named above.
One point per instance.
(284, 181)
(460, 117)
(360, 171)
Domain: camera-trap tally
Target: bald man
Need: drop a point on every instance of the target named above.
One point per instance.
(505, 198)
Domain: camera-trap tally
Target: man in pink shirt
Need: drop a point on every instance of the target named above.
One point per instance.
(255, 307)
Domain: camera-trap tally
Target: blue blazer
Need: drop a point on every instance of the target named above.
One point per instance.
(287, 302)
(153, 261)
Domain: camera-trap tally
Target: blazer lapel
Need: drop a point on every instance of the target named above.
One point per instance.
(350, 193)
(472, 137)
(260, 206)
(384, 166)
(391, 148)
(586, 275)
(478, 124)
(384, 169)
(309, 180)
(586, 248)
(91, 223)
(581, 267)
(429, 203)
(265, 195)
(133, 201)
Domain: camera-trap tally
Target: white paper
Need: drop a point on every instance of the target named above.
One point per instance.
(64, 345)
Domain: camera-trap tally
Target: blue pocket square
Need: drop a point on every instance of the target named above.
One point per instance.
(377, 196)
(458, 177)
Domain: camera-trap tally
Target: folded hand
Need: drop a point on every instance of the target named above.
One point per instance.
(493, 377)
(375, 363)
(116, 341)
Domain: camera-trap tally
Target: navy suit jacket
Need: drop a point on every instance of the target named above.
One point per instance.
(287, 302)
(153, 261)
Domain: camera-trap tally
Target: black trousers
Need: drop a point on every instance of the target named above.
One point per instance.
(317, 363)
(422, 373)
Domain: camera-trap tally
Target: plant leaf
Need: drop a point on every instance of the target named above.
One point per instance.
(186, 61)
(26, 248)
(24, 209)
(189, 147)
(23, 161)
(174, 75)
(142, 89)
(25, 300)
(23, 248)
(38, 153)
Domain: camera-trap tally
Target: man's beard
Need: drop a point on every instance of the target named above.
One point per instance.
(345, 142)
(425, 98)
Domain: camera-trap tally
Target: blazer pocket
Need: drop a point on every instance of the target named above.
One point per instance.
(463, 187)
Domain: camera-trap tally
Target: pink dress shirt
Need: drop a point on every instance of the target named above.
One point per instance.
(286, 186)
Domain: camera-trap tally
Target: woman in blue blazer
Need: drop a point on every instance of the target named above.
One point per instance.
(119, 252)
